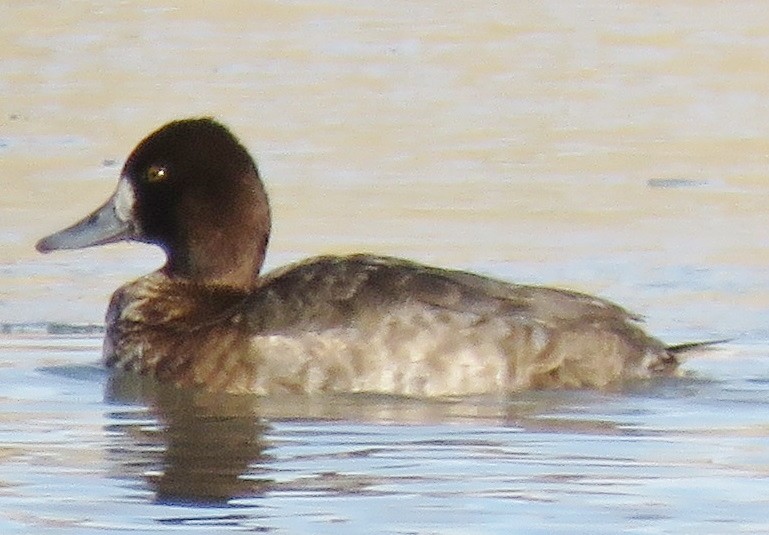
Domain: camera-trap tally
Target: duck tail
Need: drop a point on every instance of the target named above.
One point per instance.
(668, 362)
(680, 350)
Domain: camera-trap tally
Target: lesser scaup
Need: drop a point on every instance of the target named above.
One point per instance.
(355, 323)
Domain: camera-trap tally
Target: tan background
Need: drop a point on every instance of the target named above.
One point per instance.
(618, 148)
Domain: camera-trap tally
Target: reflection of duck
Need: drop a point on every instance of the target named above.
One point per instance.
(195, 447)
(201, 449)
(343, 324)
(206, 449)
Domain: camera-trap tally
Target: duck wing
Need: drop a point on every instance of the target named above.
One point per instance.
(391, 325)
(332, 291)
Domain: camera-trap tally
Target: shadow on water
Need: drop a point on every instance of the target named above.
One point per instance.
(191, 447)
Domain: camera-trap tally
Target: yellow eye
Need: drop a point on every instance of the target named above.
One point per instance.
(156, 173)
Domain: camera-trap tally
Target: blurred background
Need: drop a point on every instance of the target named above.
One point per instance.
(614, 148)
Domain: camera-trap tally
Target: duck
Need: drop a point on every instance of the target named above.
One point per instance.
(359, 323)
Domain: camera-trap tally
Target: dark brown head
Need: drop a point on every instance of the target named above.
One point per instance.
(191, 188)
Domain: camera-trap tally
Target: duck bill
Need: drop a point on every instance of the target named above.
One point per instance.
(110, 223)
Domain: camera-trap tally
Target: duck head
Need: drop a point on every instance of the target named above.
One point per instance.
(191, 188)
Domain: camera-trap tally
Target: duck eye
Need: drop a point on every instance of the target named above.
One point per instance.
(156, 173)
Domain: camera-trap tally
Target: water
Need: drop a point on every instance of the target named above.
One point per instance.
(84, 452)
(615, 149)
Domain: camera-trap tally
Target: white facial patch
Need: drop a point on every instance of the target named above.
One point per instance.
(124, 200)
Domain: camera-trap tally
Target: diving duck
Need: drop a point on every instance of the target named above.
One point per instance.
(361, 323)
